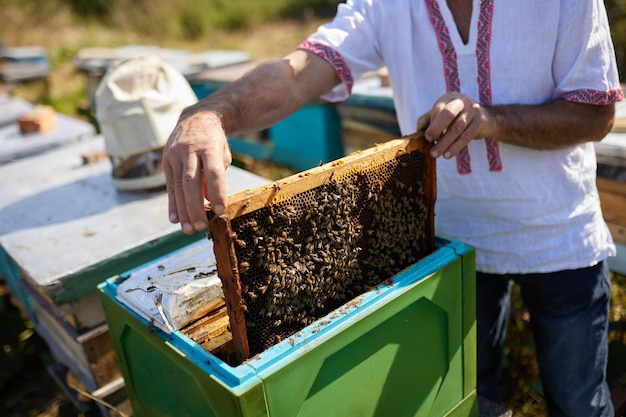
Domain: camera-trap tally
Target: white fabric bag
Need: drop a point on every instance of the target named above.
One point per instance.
(138, 103)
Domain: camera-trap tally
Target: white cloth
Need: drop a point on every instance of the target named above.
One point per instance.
(523, 210)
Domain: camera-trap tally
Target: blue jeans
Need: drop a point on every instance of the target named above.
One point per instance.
(569, 318)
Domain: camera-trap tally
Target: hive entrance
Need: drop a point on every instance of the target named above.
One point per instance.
(292, 252)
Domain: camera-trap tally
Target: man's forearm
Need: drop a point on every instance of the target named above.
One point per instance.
(268, 93)
(553, 125)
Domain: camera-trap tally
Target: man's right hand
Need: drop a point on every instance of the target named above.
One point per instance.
(196, 154)
(195, 159)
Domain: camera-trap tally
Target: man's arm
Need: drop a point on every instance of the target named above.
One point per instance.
(456, 119)
(197, 154)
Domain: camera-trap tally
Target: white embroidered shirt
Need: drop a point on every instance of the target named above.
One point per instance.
(523, 210)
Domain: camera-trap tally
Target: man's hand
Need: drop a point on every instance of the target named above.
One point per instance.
(194, 161)
(455, 119)
(452, 122)
(196, 154)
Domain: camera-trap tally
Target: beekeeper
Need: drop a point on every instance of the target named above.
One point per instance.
(512, 94)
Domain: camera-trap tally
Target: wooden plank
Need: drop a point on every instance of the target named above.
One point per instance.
(213, 309)
(430, 196)
(613, 201)
(82, 314)
(210, 326)
(212, 332)
(90, 354)
(218, 344)
(251, 200)
(610, 186)
(613, 207)
(619, 126)
(618, 231)
(228, 272)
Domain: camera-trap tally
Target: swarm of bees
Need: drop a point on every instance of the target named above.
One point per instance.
(307, 255)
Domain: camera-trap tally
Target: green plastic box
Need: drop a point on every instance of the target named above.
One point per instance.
(402, 349)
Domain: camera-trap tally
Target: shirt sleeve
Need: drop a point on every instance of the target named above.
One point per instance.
(584, 66)
(349, 44)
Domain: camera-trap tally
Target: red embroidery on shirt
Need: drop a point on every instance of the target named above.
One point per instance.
(334, 58)
(446, 47)
(483, 48)
(493, 155)
(451, 71)
(601, 98)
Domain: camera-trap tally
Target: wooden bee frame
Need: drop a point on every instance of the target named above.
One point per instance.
(328, 225)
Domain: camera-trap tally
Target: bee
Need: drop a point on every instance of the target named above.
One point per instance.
(400, 185)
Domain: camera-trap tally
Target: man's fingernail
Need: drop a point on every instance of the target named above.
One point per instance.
(199, 225)
(188, 228)
(434, 153)
(447, 155)
(173, 218)
(218, 209)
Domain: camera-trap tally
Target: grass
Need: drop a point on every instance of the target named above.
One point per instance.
(53, 25)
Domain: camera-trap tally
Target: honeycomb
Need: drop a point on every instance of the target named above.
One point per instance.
(303, 254)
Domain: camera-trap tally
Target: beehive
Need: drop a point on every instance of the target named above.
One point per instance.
(291, 252)
(405, 349)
